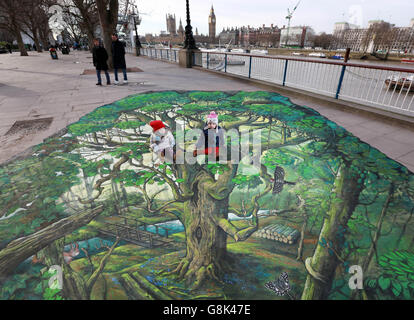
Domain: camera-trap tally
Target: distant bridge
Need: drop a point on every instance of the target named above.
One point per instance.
(134, 234)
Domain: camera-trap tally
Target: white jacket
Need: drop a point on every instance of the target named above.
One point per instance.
(159, 144)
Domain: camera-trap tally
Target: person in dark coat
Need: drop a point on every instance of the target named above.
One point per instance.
(100, 56)
(212, 140)
(9, 47)
(118, 57)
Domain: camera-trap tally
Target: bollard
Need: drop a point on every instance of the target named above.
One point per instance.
(346, 58)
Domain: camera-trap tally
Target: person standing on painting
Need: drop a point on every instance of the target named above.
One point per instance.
(118, 57)
(162, 143)
(100, 56)
(212, 139)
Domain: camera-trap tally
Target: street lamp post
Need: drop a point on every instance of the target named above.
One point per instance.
(189, 42)
(137, 42)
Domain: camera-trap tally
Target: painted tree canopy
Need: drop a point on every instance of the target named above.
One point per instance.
(356, 203)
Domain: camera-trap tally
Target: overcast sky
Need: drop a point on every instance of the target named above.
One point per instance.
(319, 14)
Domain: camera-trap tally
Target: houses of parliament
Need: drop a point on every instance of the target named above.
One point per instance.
(240, 36)
(176, 36)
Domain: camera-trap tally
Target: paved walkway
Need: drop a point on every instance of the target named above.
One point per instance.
(38, 87)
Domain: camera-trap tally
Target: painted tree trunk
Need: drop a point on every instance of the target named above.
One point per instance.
(20, 249)
(322, 266)
(302, 238)
(115, 193)
(73, 286)
(206, 241)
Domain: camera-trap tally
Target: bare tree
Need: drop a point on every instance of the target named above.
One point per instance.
(11, 20)
(90, 19)
(84, 15)
(378, 36)
(338, 40)
(323, 40)
(108, 17)
(71, 23)
(5, 35)
(35, 18)
(44, 28)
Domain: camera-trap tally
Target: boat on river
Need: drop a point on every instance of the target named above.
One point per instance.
(398, 83)
(317, 54)
(337, 57)
(407, 60)
(258, 52)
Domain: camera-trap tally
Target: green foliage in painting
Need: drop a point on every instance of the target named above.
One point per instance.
(104, 159)
(397, 276)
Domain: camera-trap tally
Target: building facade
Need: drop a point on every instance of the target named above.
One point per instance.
(403, 40)
(171, 24)
(348, 37)
(229, 36)
(249, 36)
(181, 31)
(379, 36)
(300, 36)
(262, 37)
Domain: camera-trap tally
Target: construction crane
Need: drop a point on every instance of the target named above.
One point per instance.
(288, 17)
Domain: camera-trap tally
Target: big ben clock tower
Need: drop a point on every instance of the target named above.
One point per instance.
(212, 24)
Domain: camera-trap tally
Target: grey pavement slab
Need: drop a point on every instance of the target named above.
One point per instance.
(37, 87)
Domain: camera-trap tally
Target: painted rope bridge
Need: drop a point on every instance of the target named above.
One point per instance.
(134, 233)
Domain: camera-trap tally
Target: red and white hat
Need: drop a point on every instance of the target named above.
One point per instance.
(156, 125)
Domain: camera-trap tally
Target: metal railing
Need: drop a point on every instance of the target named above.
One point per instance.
(161, 54)
(381, 87)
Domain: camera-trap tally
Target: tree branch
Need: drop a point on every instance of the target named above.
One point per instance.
(90, 283)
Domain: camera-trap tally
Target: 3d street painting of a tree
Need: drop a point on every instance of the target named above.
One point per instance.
(351, 204)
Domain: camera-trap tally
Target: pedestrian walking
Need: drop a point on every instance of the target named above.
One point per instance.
(9, 47)
(118, 57)
(100, 56)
